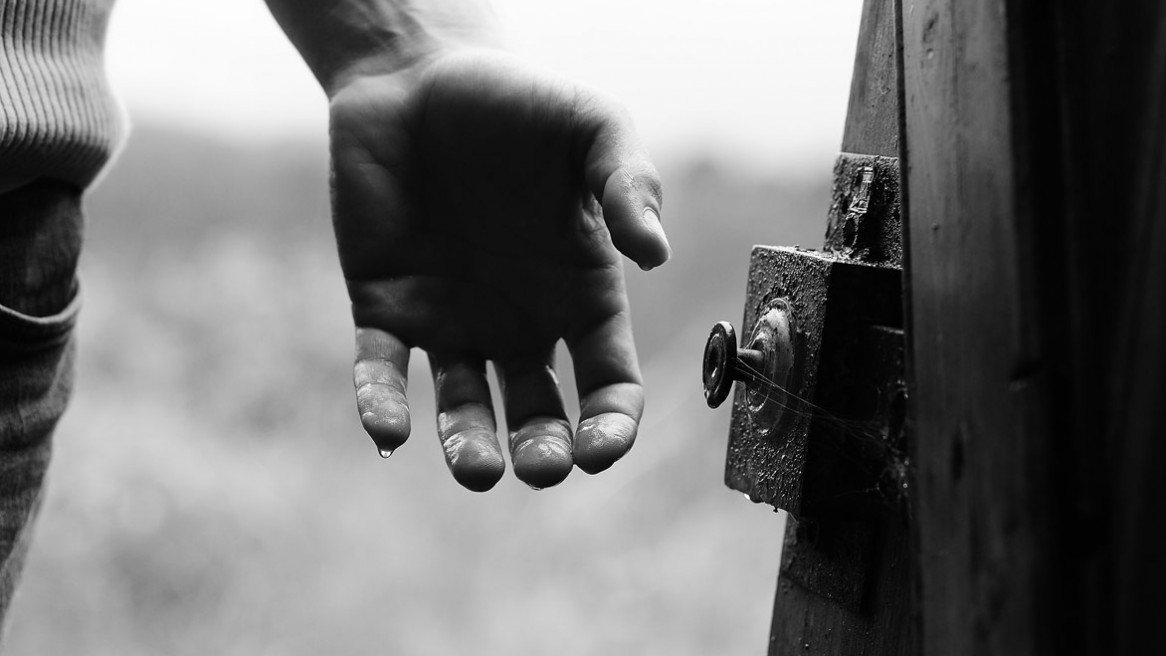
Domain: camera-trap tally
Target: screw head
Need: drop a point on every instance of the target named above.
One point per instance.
(720, 352)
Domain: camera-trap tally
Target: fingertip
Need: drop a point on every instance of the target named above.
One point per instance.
(542, 455)
(660, 251)
(478, 467)
(543, 466)
(602, 440)
(630, 210)
(388, 431)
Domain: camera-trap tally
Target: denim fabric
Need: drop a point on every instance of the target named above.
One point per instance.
(40, 238)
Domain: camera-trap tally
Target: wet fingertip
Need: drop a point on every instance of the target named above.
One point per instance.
(542, 463)
(478, 468)
(544, 475)
(479, 480)
(601, 441)
(388, 433)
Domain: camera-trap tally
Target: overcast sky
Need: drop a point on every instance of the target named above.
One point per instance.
(762, 83)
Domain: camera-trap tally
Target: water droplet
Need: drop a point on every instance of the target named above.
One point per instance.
(385, 453)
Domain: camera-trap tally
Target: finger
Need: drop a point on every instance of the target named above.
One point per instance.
(465, 421)
(621, 175)
(611, 393)
(540, 436)
(381, 373)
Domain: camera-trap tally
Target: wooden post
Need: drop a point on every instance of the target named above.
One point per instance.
(1035, 175)
(829, 556)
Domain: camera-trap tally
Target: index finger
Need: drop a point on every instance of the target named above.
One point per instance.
(611, 392)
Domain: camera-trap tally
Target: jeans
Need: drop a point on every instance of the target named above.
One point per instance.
(40, 240)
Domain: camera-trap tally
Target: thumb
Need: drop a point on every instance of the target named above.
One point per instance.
(620, 174)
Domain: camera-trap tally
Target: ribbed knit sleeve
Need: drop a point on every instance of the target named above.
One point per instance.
(57, 116)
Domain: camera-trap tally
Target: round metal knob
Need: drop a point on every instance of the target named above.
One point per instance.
(723, 361)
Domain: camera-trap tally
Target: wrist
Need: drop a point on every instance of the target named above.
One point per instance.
(345, 40)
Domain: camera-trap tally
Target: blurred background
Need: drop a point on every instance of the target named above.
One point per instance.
(212, 490)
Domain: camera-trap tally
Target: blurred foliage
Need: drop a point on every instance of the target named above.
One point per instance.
(213, 493)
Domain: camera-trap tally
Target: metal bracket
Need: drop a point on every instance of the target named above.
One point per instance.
(794, 447)
(817, 427)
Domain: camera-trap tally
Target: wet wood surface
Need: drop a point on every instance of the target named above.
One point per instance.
(846, 582)
(981, 504)
(1036, 134)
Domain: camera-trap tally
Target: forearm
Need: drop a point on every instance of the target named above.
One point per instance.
(344, 39)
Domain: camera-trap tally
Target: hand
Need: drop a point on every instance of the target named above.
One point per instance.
(464, 202)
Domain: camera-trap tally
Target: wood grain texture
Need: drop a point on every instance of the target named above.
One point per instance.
(847, 584)
(873, 113)
(979, 398)
(1036, 164)
(1106, 252)
(808, 623)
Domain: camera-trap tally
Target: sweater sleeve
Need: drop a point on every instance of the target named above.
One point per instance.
(58, 118)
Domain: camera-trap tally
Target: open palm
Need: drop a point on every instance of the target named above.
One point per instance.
(478, 210)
